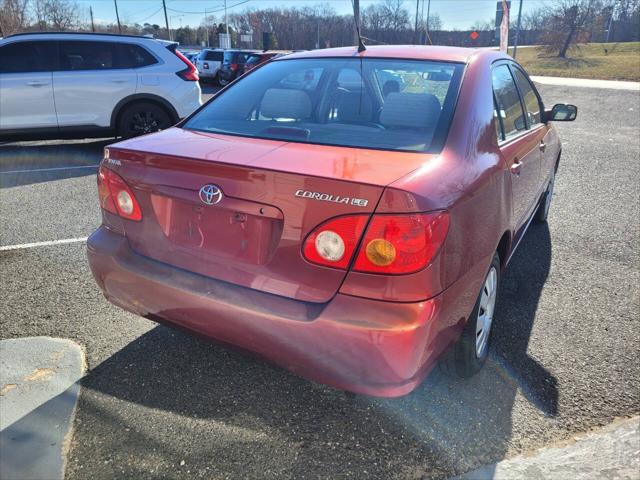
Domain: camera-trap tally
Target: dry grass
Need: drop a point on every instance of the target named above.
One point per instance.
(602, 61)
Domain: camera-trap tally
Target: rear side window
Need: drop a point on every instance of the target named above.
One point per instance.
(531, 103)
(509, 108)
(22, 57)
(214, 56)
(133, 56)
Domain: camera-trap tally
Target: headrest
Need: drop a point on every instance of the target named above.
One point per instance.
(410, 110)
(285, 103)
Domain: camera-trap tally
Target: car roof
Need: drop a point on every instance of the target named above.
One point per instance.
(414, 52)
(37, 35)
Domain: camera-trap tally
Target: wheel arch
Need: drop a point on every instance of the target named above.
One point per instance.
(142, 97)
(503, 248)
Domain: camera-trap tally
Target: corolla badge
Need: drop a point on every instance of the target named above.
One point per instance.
(210, 194)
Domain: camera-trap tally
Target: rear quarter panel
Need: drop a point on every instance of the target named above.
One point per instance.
(469, 180)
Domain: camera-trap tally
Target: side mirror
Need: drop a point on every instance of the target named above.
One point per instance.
(561, 112)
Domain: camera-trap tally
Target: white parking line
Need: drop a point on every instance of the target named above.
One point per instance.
(49, 169)
(22, 246)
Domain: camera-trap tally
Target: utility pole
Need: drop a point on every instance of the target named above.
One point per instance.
(356, 18)
(166, 18)
(415, 36)
(515, 40)
(93, 27)
(226, 24)
(428, 11)
(206, 26)
(421, 23)
(318, 35)
(115, 2)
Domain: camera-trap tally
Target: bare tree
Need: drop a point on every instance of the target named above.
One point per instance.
(568, 20)
(57, 15)
(13, 16)
(483, 26)
(538, 19)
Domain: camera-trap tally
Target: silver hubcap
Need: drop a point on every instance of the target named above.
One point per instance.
(485, 312)
(547, 199)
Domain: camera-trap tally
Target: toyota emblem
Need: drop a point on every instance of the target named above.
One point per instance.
(210, 194)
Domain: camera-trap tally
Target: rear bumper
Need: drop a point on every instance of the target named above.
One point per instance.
(366, 346)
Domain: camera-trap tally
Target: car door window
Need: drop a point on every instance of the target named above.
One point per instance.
(531, 102)
(508, 102)
(79, 55)
(22, 57)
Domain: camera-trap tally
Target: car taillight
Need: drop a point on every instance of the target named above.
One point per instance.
(399, 244)
(116, 196)
(233, 67)
(393, 243)
(334, 242)
(190, 73)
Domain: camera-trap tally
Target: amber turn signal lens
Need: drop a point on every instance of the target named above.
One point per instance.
(380, 252)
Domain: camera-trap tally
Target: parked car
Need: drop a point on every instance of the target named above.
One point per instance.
(353, 237)
(232, 65)
(208, 63)
(71, 84)
(256, 59)
(191, 56)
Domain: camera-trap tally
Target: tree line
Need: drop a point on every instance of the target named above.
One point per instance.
(559, 26)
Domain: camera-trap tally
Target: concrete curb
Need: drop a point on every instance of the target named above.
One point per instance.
(587, 83)
(39, 387)
(612, 452)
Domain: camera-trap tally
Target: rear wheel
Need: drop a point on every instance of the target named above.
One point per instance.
(468, 355)
(141, 118)
(545, 203)
(223, 82)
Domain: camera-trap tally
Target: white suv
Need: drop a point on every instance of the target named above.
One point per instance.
(55, 85)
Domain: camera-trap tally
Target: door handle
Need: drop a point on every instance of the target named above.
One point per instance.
(543, 146)
(37, 84)
(516, 167)
(118, 80)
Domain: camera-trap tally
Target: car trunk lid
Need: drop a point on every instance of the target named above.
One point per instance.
(273, 194)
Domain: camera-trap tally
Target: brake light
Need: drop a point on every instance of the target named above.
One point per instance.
(233, 67)
(190, 74)
(334, 242)
(116, 196)
(393, 243)
(400, 244)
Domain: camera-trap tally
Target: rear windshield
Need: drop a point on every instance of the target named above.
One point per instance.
(213, 56)
(236, 57)
(372, 103)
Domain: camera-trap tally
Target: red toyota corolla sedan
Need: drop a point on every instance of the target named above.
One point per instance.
(345, 215)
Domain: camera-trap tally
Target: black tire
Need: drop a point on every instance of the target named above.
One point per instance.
(142, 117)
(462, 359)
(545, 202)
(222, 81)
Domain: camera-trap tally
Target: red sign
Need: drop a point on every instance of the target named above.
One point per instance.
(474, 35)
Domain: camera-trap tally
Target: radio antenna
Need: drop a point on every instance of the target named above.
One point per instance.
(356, 19)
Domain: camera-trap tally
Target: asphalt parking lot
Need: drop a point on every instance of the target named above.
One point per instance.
(158, 403)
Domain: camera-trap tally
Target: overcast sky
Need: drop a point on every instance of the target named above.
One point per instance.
(453, 13)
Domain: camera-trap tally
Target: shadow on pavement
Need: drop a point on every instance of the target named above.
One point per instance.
(26, 163)
(445, 427)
